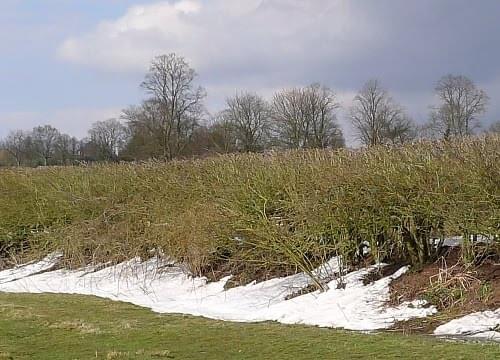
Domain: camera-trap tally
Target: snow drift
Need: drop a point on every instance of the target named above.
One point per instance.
(166, 288)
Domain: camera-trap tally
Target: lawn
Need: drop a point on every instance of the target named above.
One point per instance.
(78, 327)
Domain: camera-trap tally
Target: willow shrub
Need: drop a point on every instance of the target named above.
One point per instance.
(285, 211)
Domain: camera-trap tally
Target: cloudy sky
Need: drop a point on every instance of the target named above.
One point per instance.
(72, 62)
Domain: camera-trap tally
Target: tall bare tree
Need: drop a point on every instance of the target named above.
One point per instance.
(249, 115)
(306, 117)
(377, 119)
(461, 102)
(289, 118)
(17, 145)
(108, 138)
(170, 83)
(321, 106)
(44, 142)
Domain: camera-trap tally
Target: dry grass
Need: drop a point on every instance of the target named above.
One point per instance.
(448, 288)
(284, 211)
(76, 325)
(17, 312)
(111, 355)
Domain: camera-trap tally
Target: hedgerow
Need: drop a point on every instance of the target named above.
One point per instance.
(283, 211)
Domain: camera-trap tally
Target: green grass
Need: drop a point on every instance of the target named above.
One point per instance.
(76, 327)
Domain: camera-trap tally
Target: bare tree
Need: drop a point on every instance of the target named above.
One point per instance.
(108, 138)
(147, 126)
(170, 82)
(16, 144)
(222, 134)
(461, 104)
(401, 130)
(320, 114)
(87, 150)
(249, 115)
(75, 148)
(62, 149)
(495, 128)
(306, 117)
(289, 118)
(377, 119)
(44, 141)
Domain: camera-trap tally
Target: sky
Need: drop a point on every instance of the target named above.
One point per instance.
(70, 63)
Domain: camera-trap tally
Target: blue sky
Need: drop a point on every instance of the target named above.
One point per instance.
(37, 86)
(32, 76)
(72, 62)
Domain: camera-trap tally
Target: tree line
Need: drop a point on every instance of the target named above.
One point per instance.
(172, 121)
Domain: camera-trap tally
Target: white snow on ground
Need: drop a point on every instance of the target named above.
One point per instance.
(481, 325)
(32, 268)
(166, 288)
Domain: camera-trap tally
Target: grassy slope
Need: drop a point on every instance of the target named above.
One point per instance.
(76, 327)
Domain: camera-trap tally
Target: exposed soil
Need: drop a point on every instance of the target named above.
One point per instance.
(425, 325)
(456, 290)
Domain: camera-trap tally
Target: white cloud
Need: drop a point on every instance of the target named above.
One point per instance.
(128, 42)
(225, 36)
(263, 45)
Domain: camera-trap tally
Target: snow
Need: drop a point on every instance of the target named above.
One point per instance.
(453, 241)
(166, 288)
(480, 325)
(32, 268)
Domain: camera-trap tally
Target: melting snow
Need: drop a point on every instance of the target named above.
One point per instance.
(166, 288)
(482, 325)
(32, 268)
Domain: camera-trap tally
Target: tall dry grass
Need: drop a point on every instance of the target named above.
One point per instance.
(283, 211)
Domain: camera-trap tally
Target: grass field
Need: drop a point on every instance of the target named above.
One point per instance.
(76, 327)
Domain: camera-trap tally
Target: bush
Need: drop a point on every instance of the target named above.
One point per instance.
(284, 211)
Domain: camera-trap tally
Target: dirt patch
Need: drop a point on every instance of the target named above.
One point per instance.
(480, 283)
(455, 289)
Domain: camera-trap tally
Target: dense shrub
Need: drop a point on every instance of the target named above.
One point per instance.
(286, 210)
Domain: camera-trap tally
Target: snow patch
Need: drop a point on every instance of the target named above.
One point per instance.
(29, 269)
(454, 241)
(480, 325)
(166, 288)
